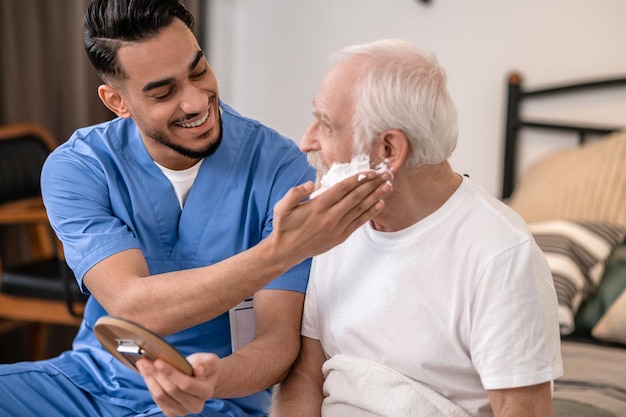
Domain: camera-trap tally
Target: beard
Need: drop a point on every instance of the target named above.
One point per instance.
(316, 161)
(209, 150)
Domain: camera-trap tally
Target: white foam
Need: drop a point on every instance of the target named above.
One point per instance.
(340, 171)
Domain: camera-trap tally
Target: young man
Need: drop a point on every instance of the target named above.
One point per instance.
(443, 301)
(167, 218)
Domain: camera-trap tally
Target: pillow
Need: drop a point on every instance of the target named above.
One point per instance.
(577, 253)
(585, 183)
(612, 285)
(612, 326)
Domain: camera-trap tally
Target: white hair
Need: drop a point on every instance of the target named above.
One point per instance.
(403, 87)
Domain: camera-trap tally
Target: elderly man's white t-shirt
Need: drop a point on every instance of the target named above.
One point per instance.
(461, 301)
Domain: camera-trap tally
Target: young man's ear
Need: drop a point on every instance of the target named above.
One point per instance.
(393, 147)
(114, 101)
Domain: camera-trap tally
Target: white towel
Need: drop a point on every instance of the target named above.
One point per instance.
(361, 388)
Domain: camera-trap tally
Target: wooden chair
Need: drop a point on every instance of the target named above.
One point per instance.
(36, 286)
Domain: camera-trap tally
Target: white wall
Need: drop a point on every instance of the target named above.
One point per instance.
(269, 56)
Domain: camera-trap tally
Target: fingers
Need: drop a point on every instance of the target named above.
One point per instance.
(356, 187)
(305, 229)
(175, 392)
(357, 199)
(204, 364)
(161, 388)
(366, 209)
(295, 196)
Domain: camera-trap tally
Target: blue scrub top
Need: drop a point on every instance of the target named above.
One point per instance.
(104, 194)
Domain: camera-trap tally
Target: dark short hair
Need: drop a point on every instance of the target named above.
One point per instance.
(110, 23)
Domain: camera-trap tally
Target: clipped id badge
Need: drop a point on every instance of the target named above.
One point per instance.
(241, 323)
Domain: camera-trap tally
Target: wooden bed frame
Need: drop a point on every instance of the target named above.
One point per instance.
(515, 121)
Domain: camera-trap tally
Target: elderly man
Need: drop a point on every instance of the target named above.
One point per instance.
(441, 305)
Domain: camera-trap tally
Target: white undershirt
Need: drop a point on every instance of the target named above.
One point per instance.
(181, 180)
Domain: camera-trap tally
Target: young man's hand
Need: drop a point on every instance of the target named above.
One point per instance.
(176, 393)
(312, 227)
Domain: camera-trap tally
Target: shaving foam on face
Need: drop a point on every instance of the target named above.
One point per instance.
(340, 171)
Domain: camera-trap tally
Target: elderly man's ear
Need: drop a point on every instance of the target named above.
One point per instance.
(393, 147)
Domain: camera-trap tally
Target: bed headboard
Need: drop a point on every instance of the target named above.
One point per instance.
(517, 94)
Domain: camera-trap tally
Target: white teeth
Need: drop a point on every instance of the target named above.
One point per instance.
(196, 123)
